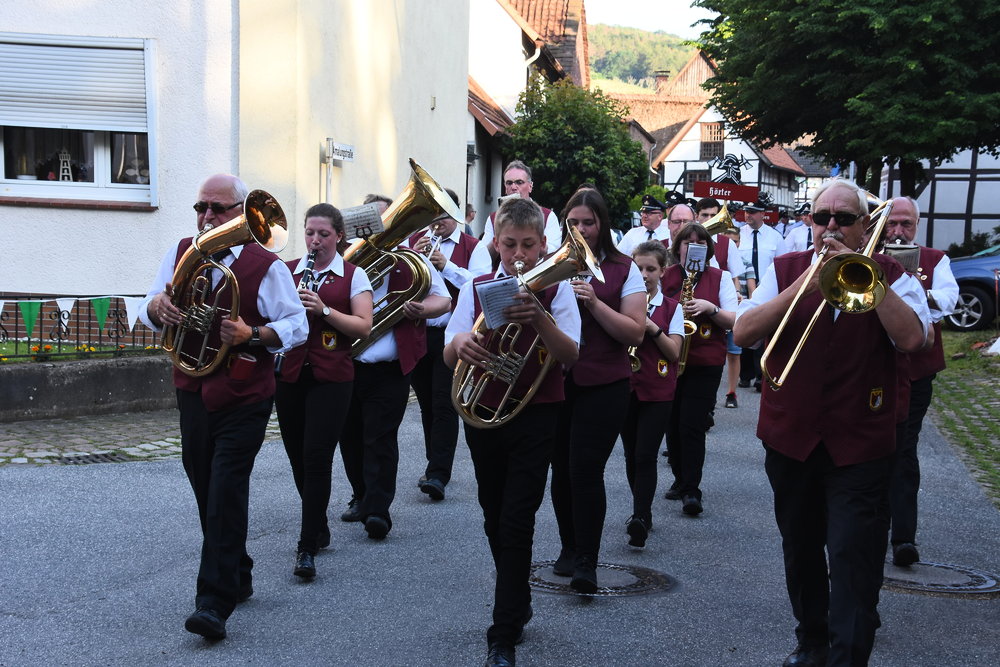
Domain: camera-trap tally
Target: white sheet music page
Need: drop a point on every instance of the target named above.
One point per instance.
(494, 296)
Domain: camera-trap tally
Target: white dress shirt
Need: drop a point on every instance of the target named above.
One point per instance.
(734, 260)
(453, 273)
(359, 282)
(277, 299)
(564, 310)
(770, 244)
(553, 232)
(640, 234)
(799, 239)
(676, 325)
(944, 290)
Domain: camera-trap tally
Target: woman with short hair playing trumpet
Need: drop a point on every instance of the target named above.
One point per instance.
(315, 380)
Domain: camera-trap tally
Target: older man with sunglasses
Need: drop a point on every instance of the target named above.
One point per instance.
(829, 432)
(224, 414)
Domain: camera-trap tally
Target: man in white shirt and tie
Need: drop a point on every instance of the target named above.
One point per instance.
(651, 227)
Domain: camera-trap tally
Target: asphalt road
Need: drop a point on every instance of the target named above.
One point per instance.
(99, 562)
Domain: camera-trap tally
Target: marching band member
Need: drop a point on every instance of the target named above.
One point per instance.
(712, 309)
(829, 432)
(224, 415)
(314, 387)
(653, 386)
(921, 368)
(612, 317)
(511, 461)
(449, 250)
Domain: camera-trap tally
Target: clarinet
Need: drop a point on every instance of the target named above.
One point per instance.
(306, 282)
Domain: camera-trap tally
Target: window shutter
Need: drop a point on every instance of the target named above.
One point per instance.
(90, 87)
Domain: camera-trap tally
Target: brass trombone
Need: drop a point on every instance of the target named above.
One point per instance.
(851, 282)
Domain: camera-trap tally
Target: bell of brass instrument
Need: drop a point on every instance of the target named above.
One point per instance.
(633, 357)
(504, 368)
(189, 343)
(687, 293)
(414, 208)
(851, 282)
(719, 223)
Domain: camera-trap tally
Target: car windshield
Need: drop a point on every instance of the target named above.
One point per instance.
(995, 250)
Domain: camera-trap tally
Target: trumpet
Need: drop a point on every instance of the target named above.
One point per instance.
(851, 282)
(435, 240)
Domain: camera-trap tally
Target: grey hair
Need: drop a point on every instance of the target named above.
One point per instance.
(842, 183)
(517, 164)
(240, 189)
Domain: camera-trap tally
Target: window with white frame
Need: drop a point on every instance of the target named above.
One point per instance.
(76, 118)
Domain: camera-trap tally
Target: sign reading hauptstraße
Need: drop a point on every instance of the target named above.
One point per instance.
(725, 191)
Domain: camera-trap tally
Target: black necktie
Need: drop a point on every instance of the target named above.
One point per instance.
(649, 234)
(809, 241)
(756, 270)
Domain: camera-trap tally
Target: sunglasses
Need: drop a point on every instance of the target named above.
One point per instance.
(216, 207)
(842, 219)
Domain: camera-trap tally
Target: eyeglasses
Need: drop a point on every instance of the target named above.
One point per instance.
(216, 207)
(651, 211)
(518, 183)
(842, 219)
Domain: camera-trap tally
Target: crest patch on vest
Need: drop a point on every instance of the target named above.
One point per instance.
(662, 367)
(329, 340)
(705, 330)
(875, 399)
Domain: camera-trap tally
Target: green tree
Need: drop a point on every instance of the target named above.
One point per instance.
(570, 136)
(872, 81)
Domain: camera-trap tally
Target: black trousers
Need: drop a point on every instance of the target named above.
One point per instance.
(693, 401)
(845, 510)
(906, 466)
(311, 415)
(590, 420)
(750, 364)
(370, 434)
(431, 382)
(218, 451)
(512, 464)
(645, 425)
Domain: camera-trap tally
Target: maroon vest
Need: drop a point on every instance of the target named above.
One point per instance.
(459, 257)
(657, 378)
(929, 361)
(218, 390)
(721, 252)
(327, 350)
(708, 343)
(410, 335)
(551, 389)
(602, 358)
(842, 390)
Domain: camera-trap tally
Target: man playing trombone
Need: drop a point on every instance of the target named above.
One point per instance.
(829, 431)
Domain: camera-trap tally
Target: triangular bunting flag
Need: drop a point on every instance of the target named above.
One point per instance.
(100, 306)
(66, 305)
(29, 313)
(132, 309)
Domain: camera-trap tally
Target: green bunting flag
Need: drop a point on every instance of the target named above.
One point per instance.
(100, 307)
(29, 313)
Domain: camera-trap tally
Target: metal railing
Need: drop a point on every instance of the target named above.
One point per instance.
(75, 332)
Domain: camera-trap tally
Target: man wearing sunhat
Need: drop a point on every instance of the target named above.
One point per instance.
(760, 244)
(651, 227)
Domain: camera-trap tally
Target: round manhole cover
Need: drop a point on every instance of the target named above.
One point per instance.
(612, 580)
(942, 580)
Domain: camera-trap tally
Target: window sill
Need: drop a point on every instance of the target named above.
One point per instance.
(102, 205)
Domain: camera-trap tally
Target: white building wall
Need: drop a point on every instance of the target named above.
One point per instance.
(496, 53)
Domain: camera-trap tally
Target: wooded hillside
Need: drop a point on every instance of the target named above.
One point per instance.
(633, 55)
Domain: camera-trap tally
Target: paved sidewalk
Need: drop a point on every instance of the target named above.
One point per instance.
(100, 562)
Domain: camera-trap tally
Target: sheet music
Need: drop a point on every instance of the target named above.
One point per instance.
(494, 296)
(696, 254)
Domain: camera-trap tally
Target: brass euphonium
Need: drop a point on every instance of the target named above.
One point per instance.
(633, 356)
(504, 368)
(719, 223)
(188, 343)
(414, 208)
(687, 293)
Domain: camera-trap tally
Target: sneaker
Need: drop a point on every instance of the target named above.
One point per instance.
(731, 400)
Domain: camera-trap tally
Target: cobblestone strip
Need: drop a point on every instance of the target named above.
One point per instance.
(136, 436)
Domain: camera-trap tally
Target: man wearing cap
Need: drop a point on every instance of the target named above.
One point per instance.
(651, 227)
(760, 244)
(799, 235)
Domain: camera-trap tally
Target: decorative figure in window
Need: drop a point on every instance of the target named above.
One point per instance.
(65, 171)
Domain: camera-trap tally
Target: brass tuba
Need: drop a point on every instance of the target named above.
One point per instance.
(470, 382)
(414, 208)
(188, 343)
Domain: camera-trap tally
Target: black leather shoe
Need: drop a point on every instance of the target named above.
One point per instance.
(353, 512)
(246, 592)
(806, 655)
(905, 554)
(638, 531)
(674, 492)
(501, 654)
(433, 488)
(377, 527)
(563, 567)
(305, 565)
(206, 622)
(584, 576)
(692, 506)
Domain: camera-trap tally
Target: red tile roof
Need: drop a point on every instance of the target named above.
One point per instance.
(489, 114)
(562, 25)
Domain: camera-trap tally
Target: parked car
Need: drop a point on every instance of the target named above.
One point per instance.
(977, 277)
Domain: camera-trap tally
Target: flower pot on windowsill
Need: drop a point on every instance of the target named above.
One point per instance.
(27, 177)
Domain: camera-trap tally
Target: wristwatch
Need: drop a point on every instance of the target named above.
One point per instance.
(716, 311)
(254, 336)
(326, 311)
